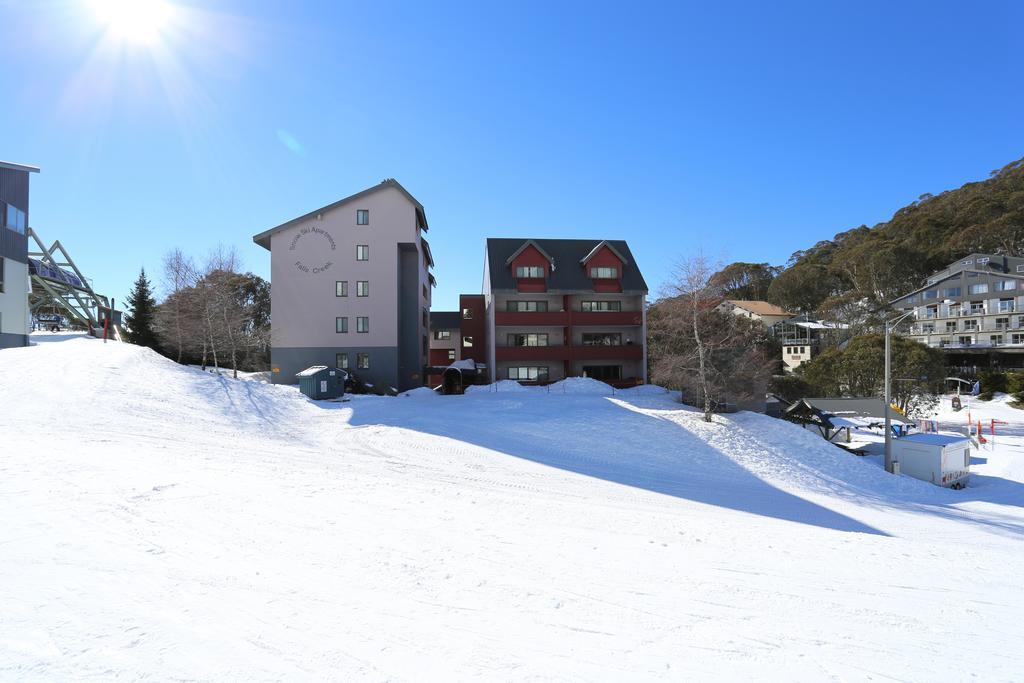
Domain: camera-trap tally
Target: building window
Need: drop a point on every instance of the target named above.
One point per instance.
(362, 288)
(595, 306)
(528, 339)
(977, 308)
(604, 273)
(442, 334)
(970, 324)
(1020, 269)
(931, 294)
(426, 297)
(341, 325)
(13, 218)
(965, 340)
(1006, 306)
(362, 252)
(467, 313)
(951, 326)
(602, 339)
(529, 374)
(467, 341)
(341, 288)
(362, 216)
(995, 339)
(363, 361)
(603, 372)
(980, 288)
(983, 260)
(951, 292)
(1017, 338)
(1006, 285)
(1, 274)
(362, 324)
(526, 306)
(530, 271)
(341, 361)
(451, 354)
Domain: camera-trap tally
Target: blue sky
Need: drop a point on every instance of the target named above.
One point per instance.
(745, 130)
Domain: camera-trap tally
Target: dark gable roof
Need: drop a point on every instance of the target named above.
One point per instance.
(263, 239)
(567, 257)
(445, 320)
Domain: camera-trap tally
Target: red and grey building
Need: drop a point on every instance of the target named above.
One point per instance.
(551, 309)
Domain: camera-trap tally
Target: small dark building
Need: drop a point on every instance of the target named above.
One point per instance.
(321, 382)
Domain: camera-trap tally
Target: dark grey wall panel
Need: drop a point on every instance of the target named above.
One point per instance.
(14, 190)
(383, 362)
(10, 341)
(410, 365)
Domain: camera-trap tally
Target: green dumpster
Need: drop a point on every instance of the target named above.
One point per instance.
(321, 382)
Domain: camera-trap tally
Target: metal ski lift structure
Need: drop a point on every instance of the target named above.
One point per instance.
(59, 287)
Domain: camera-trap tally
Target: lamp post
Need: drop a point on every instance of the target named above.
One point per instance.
(889, 326)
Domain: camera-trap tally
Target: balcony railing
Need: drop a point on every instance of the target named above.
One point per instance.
(623, 352)
(533, 318)
(564, 318)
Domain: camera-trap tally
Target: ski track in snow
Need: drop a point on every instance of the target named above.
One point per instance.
(161, 522)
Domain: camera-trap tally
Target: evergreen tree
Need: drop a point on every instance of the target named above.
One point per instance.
(141, 307)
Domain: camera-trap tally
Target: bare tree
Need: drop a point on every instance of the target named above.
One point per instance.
(712, 355)
(171, 318)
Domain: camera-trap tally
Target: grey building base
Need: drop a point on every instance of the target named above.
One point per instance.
(12, 341)
(383, 364)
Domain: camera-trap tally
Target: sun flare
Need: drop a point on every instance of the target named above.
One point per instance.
(134, 21)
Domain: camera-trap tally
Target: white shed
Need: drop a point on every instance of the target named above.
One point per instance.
(941, 459)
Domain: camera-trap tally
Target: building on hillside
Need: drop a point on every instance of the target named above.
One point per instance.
(351, 288)
(973, 310)
(559, 308)
(765, 313)
(14, 272)
(802, 338)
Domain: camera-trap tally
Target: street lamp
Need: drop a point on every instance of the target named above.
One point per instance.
(890, 325)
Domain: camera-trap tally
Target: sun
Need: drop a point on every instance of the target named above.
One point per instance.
(143, 22)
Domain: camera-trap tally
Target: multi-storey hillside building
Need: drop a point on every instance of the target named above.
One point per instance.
(14, 271)
(973, 309)
(351, 287)
(559, 308)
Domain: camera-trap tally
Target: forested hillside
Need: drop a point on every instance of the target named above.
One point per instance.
(864, 267)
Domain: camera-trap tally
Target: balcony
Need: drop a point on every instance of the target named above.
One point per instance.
(602, 318)
(533, 318)
(625, 352)
(531, 353)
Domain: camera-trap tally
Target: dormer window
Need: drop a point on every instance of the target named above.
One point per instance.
(530, 271)
(604, 273)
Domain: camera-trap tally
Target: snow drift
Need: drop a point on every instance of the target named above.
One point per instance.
(164, 522)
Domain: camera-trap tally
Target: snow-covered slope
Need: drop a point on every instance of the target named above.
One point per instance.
(163, 522)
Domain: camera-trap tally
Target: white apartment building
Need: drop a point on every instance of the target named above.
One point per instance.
(351, 287)
(973, 308)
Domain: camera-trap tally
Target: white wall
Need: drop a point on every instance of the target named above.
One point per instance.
(304, 269)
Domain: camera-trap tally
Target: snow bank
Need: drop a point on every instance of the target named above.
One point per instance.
(581, 385)
(180, 525)
(420, 392)
(503, 386)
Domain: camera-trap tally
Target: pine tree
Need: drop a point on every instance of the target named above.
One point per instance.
(141, 307)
